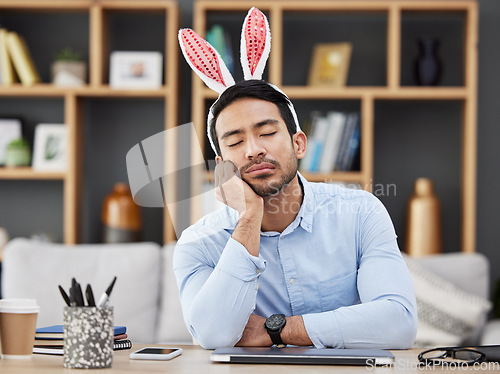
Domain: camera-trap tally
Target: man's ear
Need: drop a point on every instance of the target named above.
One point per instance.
(218, 159)
(299, 144)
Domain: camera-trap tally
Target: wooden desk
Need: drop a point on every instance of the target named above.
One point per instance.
(197, 360)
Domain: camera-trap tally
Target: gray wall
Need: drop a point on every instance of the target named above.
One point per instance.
(407, 146)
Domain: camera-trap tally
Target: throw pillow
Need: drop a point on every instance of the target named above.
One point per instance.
(447, 315)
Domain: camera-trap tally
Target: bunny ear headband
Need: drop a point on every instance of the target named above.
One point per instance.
(208, 64)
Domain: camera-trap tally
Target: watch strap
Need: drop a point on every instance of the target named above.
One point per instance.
(276, 338)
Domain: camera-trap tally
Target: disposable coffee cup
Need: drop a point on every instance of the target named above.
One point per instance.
(17, 327)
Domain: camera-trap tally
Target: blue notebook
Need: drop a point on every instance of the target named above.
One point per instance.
(55, 332)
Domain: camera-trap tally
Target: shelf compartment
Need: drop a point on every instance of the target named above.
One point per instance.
(45, 40)
(430, 148)
(366, 31)
(106, 120)
(448, 29)
(121, 33)
(34, 207)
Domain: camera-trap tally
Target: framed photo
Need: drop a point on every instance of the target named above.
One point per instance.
(10, 129)
(50, 150)
(137, 70)
(330, 64)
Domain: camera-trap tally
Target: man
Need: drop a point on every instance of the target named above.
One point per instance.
(323, 257)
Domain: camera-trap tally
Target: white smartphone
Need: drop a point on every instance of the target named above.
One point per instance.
(155, 353)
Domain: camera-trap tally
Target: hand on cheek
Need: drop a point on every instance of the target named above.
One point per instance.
(233, 191)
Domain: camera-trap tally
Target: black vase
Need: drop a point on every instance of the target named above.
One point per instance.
(427, 64)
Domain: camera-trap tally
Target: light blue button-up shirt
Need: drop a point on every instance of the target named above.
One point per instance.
(337, 265)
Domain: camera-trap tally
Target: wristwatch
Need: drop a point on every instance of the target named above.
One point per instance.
(274, 325)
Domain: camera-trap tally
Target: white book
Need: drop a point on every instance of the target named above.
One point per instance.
(336, 121)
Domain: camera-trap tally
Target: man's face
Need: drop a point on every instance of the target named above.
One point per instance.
(253, 135)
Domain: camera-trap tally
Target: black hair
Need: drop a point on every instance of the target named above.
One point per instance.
(257, 89)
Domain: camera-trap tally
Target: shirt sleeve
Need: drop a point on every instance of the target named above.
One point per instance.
(387, 315)
(217, 297)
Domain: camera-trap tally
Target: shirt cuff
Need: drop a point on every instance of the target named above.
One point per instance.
(236, 260)
(323, 330)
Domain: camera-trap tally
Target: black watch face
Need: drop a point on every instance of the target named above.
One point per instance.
(275, 321)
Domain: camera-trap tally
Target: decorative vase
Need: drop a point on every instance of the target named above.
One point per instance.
(427, 65)
(121, 216)
(69, 73)
(423, 221)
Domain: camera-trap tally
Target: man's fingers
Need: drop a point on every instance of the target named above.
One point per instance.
(229, 187)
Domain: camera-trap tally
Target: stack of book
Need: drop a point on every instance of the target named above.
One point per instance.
(15, 60)
(333, 142)
(49, 340)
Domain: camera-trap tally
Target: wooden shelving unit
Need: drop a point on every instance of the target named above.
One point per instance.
(98, 13)
(277, 11)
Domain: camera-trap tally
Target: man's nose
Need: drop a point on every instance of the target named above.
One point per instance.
(254, 148)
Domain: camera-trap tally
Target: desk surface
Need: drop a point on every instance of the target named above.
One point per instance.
(197, 360)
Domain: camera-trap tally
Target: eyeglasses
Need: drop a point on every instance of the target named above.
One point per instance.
(444, 356)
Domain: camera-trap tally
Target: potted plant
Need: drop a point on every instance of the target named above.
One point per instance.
(68, 68)
(17, 153)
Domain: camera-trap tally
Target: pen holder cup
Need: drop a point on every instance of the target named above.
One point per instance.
(88, 337)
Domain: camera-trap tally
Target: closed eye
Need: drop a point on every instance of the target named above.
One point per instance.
(234, 144)
(269, 134)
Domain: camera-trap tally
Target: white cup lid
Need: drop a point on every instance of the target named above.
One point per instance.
(19, 306)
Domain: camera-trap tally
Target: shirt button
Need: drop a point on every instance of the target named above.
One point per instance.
(258, 271)
(292, 281)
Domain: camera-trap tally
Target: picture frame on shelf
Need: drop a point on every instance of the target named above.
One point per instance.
(330, 64)
(10, 129)
(50, 149)
(136, 70)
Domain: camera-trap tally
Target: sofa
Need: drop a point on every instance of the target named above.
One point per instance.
(146, 299)
(452, 291)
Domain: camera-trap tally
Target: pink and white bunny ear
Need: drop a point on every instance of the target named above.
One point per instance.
(255, 44)
(205, 61)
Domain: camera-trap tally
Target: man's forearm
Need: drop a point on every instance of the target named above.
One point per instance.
(247, 231)
(295, 332)
(225, 295)
(255, 334)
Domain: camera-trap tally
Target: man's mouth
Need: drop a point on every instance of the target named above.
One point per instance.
(261, 168)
